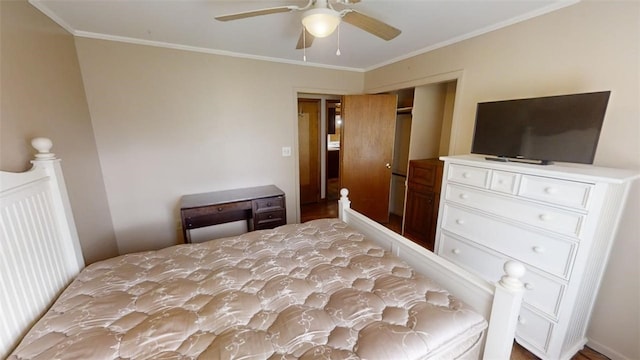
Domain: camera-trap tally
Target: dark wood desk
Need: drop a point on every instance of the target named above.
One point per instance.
(264, 207)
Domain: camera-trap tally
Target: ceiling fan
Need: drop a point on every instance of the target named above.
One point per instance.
(320, 19)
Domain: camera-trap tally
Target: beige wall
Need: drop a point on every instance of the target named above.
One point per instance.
(586, 47)
(42, 95)
(170, 122)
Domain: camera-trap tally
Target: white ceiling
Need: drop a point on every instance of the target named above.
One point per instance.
(190, 24)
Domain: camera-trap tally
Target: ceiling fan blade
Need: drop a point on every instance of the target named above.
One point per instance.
(243, 15)
(305, 42)
(370, 25)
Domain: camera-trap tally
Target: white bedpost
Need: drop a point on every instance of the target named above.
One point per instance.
(343, 203)
(47, 161)
(504, 312)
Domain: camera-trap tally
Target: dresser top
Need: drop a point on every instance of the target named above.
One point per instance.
(228, 196)
(579, 172)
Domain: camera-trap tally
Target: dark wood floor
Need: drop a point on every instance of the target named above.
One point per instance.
(320, 210)
(329, 209)
(520, 353)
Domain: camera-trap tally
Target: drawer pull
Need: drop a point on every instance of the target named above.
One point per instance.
(466, 175)
(529, 286)
(459, 221)
(544, 217)
(269, 204)
(538, 249)
(220, 209)
(550, 190)
(456, 251)
(464, 196)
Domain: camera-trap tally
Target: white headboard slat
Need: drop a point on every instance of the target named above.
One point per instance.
(39, 248)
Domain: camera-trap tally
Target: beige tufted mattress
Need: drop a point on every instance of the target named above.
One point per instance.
(311, 291)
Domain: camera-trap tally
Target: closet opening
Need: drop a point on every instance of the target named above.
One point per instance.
(423, 132)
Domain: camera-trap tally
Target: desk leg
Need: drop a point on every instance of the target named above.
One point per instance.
(186, 235)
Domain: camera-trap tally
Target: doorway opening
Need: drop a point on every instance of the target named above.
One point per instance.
(422, 123)
(318, 155)
(423, 133)
(334, 126)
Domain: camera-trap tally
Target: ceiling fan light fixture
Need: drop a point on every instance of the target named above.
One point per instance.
(321, 22)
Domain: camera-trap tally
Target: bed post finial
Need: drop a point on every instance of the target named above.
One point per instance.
(504, 312)
(343, 203)
(514, 271)
(43, 145)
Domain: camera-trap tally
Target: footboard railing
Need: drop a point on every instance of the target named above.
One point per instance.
(499, 303)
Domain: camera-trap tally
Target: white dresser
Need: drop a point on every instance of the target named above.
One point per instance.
(559, 220)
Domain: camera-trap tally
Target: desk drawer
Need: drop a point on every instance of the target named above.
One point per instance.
(215, 214)
(194, 222)
(269, 219)
(216, 209)
(268, 204)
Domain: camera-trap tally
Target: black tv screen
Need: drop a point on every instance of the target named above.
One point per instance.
(562, 128)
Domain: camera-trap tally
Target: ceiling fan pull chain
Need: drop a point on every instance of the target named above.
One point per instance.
(304, 44)
(338, 51)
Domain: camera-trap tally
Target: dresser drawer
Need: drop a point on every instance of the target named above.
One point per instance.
(504, 182)
(556, 191)
(546, 253)
(468, 175)
(267, 204)
(534, 329)
(544, 217)
(541, 292)
(486, 265)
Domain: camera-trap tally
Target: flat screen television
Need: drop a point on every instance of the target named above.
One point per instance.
(563, 128)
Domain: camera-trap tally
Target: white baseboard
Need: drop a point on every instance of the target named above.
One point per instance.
(606, 351)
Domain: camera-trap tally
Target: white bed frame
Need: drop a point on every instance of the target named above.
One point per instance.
(40, 255)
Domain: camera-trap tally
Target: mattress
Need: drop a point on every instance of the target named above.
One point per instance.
(300, 291)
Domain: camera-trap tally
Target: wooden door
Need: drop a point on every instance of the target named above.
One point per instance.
(368, 132)
(309, 150)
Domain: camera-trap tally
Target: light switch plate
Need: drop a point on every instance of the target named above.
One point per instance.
(286, 151)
